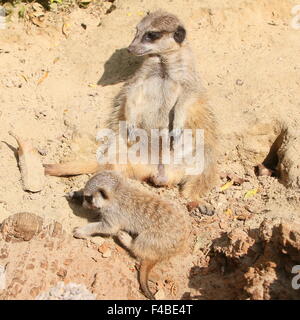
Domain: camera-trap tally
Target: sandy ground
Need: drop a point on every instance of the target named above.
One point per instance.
(56, 88)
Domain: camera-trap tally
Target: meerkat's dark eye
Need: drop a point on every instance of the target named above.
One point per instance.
(152, 36)
(103, 193)
(179, 34)
(88, 199)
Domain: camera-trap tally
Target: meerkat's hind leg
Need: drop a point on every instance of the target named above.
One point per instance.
(196, 186)
(146, 265)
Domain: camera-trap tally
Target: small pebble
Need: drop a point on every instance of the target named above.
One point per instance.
(70, 291)
(160, 295)
(106, 254)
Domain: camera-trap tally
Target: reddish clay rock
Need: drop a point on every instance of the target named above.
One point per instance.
(21, 227)
(24, 226)
(235, 244)
(270, 277)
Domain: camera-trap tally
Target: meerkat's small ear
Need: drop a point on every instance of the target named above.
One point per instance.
(103, 193)
(179, 34)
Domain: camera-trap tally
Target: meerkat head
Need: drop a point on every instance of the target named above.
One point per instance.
(158, 33)
(99, 190)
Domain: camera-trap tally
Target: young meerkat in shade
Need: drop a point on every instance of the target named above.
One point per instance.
(165, 92)
(151, 227)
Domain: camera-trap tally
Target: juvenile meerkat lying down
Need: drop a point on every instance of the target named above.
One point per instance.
(151, 227)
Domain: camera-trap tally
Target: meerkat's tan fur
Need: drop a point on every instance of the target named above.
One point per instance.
(151, 227)
(164, 93)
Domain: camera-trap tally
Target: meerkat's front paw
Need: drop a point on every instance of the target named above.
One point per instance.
(103, 149)
(101, 153)
(177, 134)
(124, 238)
(80, 233)
(131, 132)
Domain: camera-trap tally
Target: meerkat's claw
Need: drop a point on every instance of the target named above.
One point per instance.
(125, 238)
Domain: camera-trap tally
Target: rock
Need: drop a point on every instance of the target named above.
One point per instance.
(70, 291)
(270, 276)
(107, 253)
(192, 205)
(24, 226)
(257, 141)
(289, 240)
(103, 248)
(289, 160)
(97, 240)
(21, 226)
(258, 263)
(235, 244)
(32, 170)
(160, 295)
(62, 273)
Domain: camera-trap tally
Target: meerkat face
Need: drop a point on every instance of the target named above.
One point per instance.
(97, 200)
(157, 33)
(98, 191)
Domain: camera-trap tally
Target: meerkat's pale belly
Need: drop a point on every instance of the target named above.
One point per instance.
(158, 98)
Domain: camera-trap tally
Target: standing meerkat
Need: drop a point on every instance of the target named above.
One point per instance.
(164, 93)
(152, 228)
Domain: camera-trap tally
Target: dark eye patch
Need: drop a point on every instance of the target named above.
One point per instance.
(103, 193)
(88, 199)
(152, 36)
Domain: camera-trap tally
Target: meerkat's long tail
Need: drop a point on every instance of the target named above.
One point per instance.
(145, 268)
(71, 168)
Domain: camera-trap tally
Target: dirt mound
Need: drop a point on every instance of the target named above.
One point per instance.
(237, 264)
(248, 263)
(265, 262)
